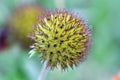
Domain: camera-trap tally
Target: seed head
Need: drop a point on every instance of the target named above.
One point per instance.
(62, 38)
(21, 20)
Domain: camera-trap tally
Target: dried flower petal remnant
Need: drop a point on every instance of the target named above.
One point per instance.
(62, 38)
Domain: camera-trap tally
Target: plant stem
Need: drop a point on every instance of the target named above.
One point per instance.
(43, 72)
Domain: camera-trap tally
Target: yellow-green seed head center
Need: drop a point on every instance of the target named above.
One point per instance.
(62, 39)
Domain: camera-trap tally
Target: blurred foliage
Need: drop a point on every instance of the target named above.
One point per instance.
(103, 60)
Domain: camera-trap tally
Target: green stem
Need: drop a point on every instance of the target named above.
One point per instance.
(43, 72)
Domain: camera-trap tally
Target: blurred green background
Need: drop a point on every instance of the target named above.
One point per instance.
(103, 61)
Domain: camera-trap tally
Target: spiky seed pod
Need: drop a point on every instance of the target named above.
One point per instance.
(62, 38)
(21, 21)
